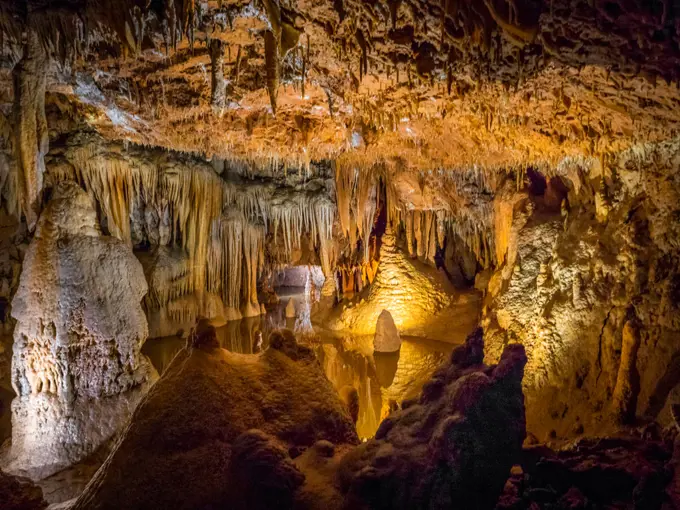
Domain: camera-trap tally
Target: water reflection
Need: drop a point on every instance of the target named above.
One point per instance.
(381, 380)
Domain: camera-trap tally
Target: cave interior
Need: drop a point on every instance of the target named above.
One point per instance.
(339, 254)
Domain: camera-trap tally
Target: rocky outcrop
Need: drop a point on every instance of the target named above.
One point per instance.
(172, 456)
(272, 432)
(19, 494)
(439, 450)
(615, 473)
(76, 368)
(290, 309)
(590, 287)
(386, 337)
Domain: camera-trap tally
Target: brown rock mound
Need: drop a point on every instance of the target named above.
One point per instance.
(18, 493)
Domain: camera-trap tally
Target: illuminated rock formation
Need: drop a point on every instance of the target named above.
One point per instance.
(174, 457)
(200, 232)
(386, 337)
(76, 368)
(290, 309)
(511, 160)
(412, 296)
(272, 432)
(593, 298)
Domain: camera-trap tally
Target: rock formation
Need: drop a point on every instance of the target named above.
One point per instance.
(76, 368)
(514, 161)
(257, 443)
(187, 463)
(592, 294)
(31, 140)
(616, 473)
(411, 295)
(290, 309)
(386, 337)
(20, 494)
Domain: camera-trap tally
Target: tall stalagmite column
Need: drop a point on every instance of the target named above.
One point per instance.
(77, 366)
(30, 127)
(218, 85)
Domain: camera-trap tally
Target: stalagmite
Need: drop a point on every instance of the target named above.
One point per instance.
(386, 337)
(624, 398)
(77, 368)
(290, 309)
(303, 323)
(31, 141)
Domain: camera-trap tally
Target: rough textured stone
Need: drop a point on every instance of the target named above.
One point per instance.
(173, 456)
(290, 309)
(574, 285)
(386, 337)
(621, 473)
(76, 368)
(19, 494)
(412, 292)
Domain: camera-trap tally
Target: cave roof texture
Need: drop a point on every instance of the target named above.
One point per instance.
(417, 84)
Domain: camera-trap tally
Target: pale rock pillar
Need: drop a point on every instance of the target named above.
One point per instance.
(77, 368)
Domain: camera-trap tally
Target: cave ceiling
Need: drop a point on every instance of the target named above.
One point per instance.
(424, 84)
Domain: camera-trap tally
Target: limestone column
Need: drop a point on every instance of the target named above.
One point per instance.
(77, 368)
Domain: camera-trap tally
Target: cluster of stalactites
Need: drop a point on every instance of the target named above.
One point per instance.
(235, 260)
(427, 231)
(220, 225)
(70, 33)
(287, 218)
(357, 202)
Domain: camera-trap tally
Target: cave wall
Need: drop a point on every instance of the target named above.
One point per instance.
(590, 287)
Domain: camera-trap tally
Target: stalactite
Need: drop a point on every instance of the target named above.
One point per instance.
(345, 180)
(364, 211)
(418, 233)
(252, 240)
(31, 140)
(272, 51)
(408, 220)
(272, 55)
(441, 228)
(182, 202)
(218, 84)
(431, 226)
(225, 261)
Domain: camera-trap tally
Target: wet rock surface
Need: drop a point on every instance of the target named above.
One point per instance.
(589, 287)
(386, 337)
